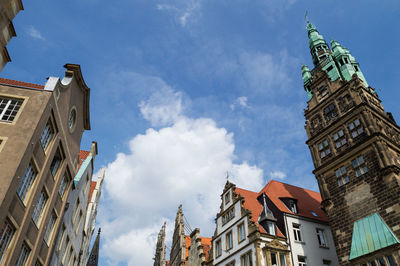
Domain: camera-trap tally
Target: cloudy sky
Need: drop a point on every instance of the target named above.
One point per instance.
(185, 91)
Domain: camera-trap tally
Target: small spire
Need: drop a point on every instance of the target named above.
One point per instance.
(94, 253)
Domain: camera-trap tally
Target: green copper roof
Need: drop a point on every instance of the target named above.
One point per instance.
(314, 37)
(370, 234)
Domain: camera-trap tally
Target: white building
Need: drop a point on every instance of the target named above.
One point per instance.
(246, 233)
(75, 233)
(303, 222)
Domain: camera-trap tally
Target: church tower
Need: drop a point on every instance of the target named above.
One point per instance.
(355, 147)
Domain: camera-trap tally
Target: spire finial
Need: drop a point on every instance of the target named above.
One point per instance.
(306, 17)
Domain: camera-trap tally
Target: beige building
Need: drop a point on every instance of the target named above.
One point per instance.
(40, 134)
(8, 10)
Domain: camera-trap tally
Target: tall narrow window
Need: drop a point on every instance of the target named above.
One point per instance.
(274, 261)
(79, 223)
(341, 175)
(227, 197)
(75, 211)
(321, 238)
(55, 163)
(9, 108)
(246, 259)
(63, 185)
(218, 248)
(297, 232)
(26, 181)
(356, 128)
(241, 232)
(23, 255)
(38, 211)
(339, 138)
(47, 135)
(229, 242)
(324, 149)
(6, 234)
(360, 166)
(330, 112)
(49, 228)
(282, 259)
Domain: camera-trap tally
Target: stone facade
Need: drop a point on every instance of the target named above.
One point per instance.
(8, 10)
(159, 257)
(355, 146)
(177, 256)
(40, 134)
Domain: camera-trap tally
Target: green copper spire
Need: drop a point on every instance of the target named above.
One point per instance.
(307, 80)
(346, 62)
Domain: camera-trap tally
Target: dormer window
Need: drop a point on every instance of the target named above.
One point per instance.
(291, 204)
(270, 228)
(227, 197)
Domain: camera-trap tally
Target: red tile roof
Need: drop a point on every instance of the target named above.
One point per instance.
(307, 200)
(82, 157)
(92, 187)
(20, 84)
(251, 203)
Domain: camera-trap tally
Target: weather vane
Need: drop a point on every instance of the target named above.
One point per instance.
(306, 17)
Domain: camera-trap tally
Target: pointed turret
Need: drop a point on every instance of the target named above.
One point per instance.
(307, 80)
(94, 254)
(321, 54)
(159, 258)
(178, 248)
(346, 62)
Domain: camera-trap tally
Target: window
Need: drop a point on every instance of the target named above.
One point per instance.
(6, 234)
(321, 238)
(9, 108)
(329, 68)
(71, 254)
(218, 248)
(232, 263)
(55, 163)
(326, 262)
(339, 138)
(246, 260)
(359, 166)
(39, 207)
(72, 119)
(390, 260)
(271, 228)
(322, 92)
(79, 223)
(229, 242)
(227, 197)
(47, 135)
(356, 68)
(49, 228)
(341, 175)
(66, 255)
(356, 128)
(76, 211)
(330, 112)
(324, 149)
(26, 182)
(38, 263)
(296, 232)
(302, 260)
(63, 185)
(274, 261)
(291, 205)
(241, 232)
(346, 60)
(282, 259)
(23, 255)
(314, 214)
(229, 215)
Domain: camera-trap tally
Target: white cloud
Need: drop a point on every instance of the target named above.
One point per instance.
(277, 175)
(183, 163)
(34, 33)
(163, 107)
(183, 10)
(240, 101)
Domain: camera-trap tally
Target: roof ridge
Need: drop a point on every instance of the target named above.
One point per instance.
(291, 186)
(20, 83)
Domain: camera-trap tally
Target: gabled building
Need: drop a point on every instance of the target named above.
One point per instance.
(160, 256)
(300, 218)
(8, 10)
(198, 249)
(246, 232)
(75, 233)
(355, 147)
(40, 135)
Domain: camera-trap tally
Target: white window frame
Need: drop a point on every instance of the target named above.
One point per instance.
(321, 237)
(9, 104)
(360, 166)
(302, 260)
(297, 232)
(218, 248)
(241, 232)
(341, 175)
(229, 240)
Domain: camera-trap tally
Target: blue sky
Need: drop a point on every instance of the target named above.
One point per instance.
(183, 91)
